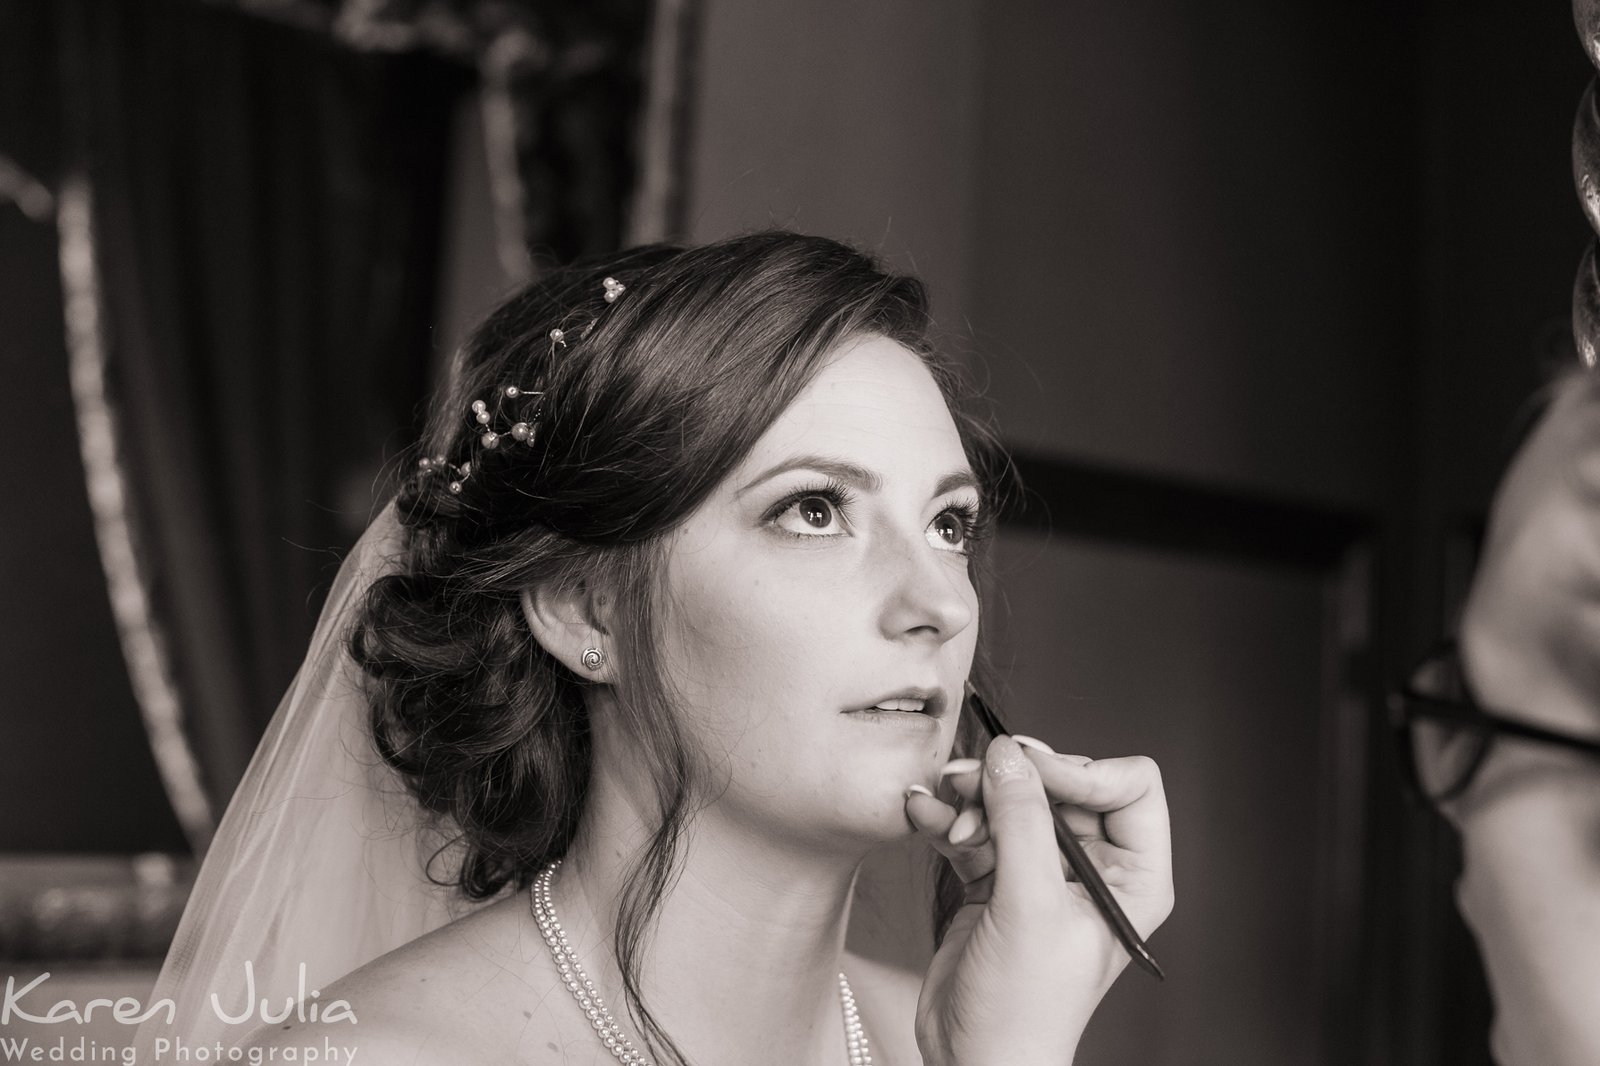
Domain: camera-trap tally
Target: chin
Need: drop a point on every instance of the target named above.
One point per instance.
(879, 811)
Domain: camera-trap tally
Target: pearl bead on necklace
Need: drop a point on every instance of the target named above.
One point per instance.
(605, 1027)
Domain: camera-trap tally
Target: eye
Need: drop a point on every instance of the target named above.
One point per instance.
(964, 523)
(816, 507)
(951, 528)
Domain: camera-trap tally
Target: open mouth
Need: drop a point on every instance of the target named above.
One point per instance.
(919, 703)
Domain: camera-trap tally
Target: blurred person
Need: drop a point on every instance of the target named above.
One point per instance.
(665, 632)
(1506, 739)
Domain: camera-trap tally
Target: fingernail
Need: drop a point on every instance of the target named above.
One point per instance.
(965, 825)
(1029, 742)
(1005, 758)
(916, 788)
(959, 766)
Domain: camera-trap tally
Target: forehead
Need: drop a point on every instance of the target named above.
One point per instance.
(873, 402)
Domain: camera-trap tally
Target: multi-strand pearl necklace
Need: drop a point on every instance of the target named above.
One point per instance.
(605, 1027)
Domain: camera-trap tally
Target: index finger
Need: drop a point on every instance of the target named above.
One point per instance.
(1127, 792)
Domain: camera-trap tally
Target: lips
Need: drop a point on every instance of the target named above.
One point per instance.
(931, 698)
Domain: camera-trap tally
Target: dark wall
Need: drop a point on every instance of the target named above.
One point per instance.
(1501, 234)
(1197, 243)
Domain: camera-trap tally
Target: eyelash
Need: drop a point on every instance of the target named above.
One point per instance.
(975, 523)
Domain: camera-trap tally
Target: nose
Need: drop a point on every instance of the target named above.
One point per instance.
(926, 589)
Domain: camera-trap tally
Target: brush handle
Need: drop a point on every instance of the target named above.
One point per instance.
(1083, 866)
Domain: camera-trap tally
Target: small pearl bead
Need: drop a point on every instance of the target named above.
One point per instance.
(490, 440)
(512, 392)
(520, 431)
(483, 417)
(479, 405)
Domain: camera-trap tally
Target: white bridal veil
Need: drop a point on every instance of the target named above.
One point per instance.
(318, 864)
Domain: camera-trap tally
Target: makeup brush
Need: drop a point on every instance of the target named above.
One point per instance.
(1079, 860)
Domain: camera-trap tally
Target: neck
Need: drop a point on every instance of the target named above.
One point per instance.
(742, 962)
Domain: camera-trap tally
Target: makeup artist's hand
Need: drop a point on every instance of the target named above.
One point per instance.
(1028, 957)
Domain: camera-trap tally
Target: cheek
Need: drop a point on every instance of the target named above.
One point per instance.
(743, 641)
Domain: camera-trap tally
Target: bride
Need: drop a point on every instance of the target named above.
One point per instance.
(664, 633)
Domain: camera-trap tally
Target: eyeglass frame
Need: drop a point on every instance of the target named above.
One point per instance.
(1408, 704)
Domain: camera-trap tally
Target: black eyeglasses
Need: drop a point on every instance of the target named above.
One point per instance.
(1444, 736)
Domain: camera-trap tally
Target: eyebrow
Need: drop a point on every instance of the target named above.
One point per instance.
(854, 473)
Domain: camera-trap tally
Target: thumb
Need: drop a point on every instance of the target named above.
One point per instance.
(1027, 870)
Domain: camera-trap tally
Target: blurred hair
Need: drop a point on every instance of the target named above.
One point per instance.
(642, 417)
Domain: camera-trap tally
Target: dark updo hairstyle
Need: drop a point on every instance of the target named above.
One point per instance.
(650, 403)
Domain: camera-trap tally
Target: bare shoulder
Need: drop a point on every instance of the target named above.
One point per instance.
(886, 995)
(476, 991)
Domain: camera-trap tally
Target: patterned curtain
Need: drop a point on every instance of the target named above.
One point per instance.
(248, 195)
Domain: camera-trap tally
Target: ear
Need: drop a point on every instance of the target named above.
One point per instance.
(566, 621)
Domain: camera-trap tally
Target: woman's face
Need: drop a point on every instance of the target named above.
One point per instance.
(827, 572)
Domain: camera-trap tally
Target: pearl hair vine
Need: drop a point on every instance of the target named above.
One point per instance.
(523, 431)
